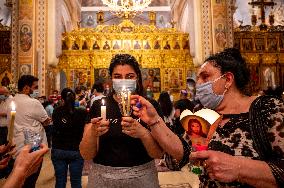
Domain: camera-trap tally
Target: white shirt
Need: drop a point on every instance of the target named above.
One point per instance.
(5, 108)
(29, 114)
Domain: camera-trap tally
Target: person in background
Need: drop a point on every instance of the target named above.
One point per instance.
(56, 98)
(48, 129)
(167, 109)
(68, 128)
(122, 148)
(97, 90)
(149, 93)
(26, 164)
(4, 110)
(183, 103)
(30, 115)
(277, 91)
(80, 100)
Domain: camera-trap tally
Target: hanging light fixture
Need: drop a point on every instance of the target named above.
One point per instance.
(126, 8)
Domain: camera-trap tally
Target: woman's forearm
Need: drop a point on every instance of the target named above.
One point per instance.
(256, 173)
(167, 140)
(89, 143)
(152, 147)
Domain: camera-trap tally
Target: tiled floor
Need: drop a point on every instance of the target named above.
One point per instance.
(181, 179)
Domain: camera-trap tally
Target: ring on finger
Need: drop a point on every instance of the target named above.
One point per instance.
(205, 164)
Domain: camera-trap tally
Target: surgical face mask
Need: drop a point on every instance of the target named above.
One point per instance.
(120, 84)
(35, 94)
(206, 95)
(3, 97)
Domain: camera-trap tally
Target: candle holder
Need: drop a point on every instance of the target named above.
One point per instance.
(124, 101)
(123, 89)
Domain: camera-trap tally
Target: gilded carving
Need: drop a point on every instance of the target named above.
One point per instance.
(154, 48)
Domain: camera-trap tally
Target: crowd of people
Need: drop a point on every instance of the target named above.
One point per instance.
(245, 150)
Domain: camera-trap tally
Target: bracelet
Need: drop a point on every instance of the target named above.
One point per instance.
(155, 123)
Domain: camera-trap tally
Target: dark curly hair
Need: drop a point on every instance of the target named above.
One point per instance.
(127, 59)
(231, 60)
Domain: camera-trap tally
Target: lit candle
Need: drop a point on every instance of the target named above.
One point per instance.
(11, 128)
(103, 110)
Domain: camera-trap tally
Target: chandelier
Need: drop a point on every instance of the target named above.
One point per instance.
(126, 8)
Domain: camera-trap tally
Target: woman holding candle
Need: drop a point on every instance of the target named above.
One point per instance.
(122, 148)
(68, 128)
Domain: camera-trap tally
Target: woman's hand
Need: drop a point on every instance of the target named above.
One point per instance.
(100, 126)
(6, 151)
(219, 166)
(28, 162)
(133, 128)
(144, 109)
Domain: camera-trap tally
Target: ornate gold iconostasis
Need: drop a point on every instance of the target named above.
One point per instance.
(5, 55)
(163, 54)
(264, 51)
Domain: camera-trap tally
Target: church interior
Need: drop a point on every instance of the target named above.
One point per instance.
(70, 43)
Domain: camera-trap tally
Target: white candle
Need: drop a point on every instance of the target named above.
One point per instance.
(11, 128)
(103, 110)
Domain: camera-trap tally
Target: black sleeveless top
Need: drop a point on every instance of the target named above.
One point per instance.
(117, 149)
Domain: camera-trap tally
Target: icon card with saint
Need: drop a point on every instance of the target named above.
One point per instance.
(137, 45)
(146, 45)
(127, 44)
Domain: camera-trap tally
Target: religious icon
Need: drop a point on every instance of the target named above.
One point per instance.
(186, 45)
(157, 45)
(101, 75)
(237, 43)
(151, 79)
(272, 44)
(281, 41)
(5, 80)
(176, 47)
(247, 44)
(126, 45)
(116, 46)
(167, 46)
(137, 45)
(259, 44)
(106, 46)
(220, 36)
(90, 21)
(147, 46)
(25, 38)
(96, 46)
(25, 69)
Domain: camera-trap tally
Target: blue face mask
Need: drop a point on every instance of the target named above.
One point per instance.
(206, 95)
(3, 97)
(35, 94)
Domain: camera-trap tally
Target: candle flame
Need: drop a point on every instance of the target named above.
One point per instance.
(13, 106)
(103, 102)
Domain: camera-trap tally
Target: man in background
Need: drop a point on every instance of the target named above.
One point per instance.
(30, 115)
(4, 110)
(97, 91)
